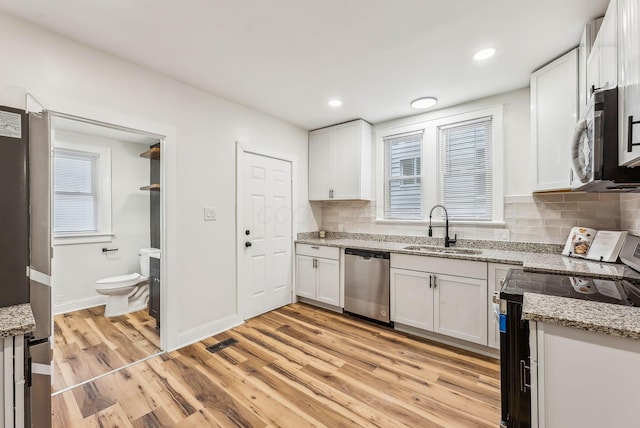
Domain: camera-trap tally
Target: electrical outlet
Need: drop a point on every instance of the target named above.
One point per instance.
(502, 234)
(59, 299)
(209, 214)
(340, 228)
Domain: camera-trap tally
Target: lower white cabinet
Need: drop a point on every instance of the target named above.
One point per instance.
(583, 379)
(496, 273)
(318, 278)
(435, 300)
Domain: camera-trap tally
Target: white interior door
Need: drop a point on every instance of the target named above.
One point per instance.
(265, 282)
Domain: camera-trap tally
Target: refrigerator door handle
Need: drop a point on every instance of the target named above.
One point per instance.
(27, 372)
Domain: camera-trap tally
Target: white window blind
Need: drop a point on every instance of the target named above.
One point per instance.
(75, 192)
(403, 176)
(465, 169)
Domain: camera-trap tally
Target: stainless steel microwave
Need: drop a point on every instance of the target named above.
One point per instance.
(594, 149)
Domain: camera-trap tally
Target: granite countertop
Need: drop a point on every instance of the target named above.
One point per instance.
(599, 317)
(16, 320)
(529, 256)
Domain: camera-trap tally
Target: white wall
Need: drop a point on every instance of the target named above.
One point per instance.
(199, 159)
(76, 267)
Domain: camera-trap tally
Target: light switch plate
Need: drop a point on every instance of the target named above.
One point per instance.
(209, 214)
(502, 234)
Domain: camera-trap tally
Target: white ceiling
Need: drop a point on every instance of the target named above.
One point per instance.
(288, 58)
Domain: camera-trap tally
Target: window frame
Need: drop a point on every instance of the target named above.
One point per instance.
(102, 184)
(430, 123)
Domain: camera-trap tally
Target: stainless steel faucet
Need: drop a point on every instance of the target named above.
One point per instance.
(447, 241)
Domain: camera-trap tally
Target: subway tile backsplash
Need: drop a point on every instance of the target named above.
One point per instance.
(630, 212)
(529, 218)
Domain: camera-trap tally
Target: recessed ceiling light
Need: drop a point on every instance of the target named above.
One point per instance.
(424, 102)
(335, 103)
(483, 54)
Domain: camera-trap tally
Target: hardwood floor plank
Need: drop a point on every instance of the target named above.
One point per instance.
(113, 416)
(298, 366)
(87, 344)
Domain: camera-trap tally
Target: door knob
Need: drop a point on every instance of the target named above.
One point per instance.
(247, 244)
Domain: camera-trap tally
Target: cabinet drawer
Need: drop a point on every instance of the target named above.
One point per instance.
(441, 265)
(318, 251)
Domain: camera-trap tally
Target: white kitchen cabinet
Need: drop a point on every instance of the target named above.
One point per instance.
(584, 50)
(629, 81)
(554, 110)
(12, 381)
(496, 273)
(412, 298)
(445, 296)
(318, 273)
(583, 379)
(340, 162)
(460, 308)
(602, 69)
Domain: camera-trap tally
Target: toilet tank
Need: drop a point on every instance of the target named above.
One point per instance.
(145, 254)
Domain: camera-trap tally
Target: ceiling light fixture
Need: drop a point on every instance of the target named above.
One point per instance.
(424, 102)
(335, 103)
(483, 54)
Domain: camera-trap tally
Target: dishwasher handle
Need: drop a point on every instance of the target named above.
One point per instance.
(366, 254)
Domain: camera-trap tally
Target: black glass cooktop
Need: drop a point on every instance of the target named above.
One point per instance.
(618, 292)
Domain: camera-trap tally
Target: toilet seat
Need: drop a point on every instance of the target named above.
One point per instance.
(120, 281)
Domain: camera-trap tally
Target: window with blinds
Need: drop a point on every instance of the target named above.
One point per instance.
(75, 192)
(403, 177)
(465, 169)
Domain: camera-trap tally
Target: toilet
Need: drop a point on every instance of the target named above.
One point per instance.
(128, 293)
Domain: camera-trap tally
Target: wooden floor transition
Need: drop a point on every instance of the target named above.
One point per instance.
(294, 367)
(87, 344)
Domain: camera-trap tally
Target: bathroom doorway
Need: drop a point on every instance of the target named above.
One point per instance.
(106, 231)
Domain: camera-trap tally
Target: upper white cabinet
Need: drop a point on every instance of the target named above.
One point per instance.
(602, 69)
(340, 162)
(629, 80)
(445, 296)
(554, 110)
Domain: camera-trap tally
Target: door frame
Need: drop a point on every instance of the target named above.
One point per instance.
(243, 148)
(164, 138)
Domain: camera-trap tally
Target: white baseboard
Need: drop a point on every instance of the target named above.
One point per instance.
(202, 332)
(76, 305)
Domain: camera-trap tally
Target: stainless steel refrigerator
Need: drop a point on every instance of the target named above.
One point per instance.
(25, 245)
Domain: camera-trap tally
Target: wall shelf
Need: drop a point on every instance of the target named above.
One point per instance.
(152, 153)
(152, 187)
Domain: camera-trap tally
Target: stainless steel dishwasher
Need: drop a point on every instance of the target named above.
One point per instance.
(366, 284)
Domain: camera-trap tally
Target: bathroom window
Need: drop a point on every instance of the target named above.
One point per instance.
(81, 193)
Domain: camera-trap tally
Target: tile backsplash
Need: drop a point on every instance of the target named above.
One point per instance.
(529, 218)
(630, 212)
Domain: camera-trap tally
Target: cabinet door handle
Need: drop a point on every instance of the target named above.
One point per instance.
(315, 263)
(523, 373)
(435, 281)
(430, 281)
(315, 248)
(630, 142)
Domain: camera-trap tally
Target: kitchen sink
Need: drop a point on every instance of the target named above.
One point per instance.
(442, 250)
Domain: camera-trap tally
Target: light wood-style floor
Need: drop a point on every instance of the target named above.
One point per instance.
(296, 366)
(87, 344)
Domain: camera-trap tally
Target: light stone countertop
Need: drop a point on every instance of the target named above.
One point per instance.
(593, 316)
(16, 320)
(599, 317)
(531, 261)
